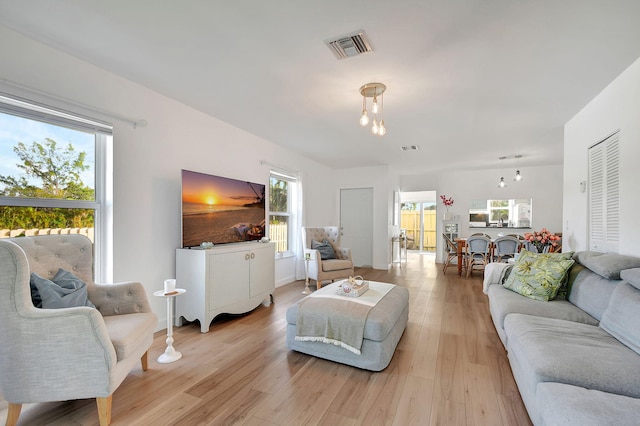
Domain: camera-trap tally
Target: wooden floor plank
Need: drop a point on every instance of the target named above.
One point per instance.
(415, 402)
(450, 368)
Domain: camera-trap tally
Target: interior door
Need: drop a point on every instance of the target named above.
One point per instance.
(356, 224)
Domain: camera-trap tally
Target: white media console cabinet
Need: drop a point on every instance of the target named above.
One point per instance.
(226, 279)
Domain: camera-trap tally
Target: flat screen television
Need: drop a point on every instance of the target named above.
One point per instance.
(221, 210)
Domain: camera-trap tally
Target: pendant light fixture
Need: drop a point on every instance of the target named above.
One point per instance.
(375, 91)
(518, 176)
(502, 183)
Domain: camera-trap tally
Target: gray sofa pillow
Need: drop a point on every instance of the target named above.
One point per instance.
(607, 265)
(622, 316)
(65, 291)
(632, 276)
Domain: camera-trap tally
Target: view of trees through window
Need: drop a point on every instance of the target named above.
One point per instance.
(499, 210)
(279, 212)
(46, 172)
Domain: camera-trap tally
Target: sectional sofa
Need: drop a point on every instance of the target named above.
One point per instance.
(576, 358)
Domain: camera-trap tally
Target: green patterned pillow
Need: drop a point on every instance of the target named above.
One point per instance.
(539, 276)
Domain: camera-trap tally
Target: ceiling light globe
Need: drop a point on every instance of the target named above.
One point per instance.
(374, 127)
(502, 184)
(374, 106)
(364, 119)
(518, 177)
(381, 129)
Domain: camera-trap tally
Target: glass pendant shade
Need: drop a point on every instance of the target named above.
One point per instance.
(518, 176)
(374, 127)
(502, 184)
(364, 118)
(381, 129)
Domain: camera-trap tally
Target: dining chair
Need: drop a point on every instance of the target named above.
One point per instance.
(505, 248)
(452, 254)
(527, 245)
(481, 234)
(478, 252)
(558, 247)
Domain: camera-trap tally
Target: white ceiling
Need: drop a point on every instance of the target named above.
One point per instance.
(467, 81)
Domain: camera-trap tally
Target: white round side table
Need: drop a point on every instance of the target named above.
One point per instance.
(170, 354)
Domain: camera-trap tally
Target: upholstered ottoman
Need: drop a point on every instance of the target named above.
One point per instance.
(385, 322)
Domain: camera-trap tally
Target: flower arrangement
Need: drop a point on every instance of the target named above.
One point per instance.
(448, 202)
(541, 239)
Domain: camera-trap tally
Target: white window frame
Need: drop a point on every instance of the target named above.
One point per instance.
(292, 196)
(103, 203)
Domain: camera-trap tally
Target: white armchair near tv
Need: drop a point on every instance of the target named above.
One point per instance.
(329, 269)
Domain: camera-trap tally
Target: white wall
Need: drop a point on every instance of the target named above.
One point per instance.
(542, 184)
(418, 196)
(148, 160)
(617, 107)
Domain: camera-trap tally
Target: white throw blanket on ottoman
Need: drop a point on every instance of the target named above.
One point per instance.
(340, 322)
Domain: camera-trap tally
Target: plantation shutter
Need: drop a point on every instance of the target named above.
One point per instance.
(604, 195)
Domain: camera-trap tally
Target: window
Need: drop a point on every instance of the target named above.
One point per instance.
(282, 207)
(509, 212)
(52, 175)
(499, 211)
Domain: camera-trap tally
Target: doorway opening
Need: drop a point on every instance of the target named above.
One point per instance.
(418, 220)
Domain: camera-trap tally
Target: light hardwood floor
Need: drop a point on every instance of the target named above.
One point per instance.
(449, 369)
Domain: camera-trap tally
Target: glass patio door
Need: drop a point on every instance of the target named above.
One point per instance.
(419, 221)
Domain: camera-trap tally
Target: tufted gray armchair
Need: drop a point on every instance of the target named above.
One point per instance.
(330, 269)
(70, 353)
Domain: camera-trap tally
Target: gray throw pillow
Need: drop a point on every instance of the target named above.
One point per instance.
(632, 276)
(65, 291)
(35, 296)
(607, 265)
(325, 249)
(622, 316)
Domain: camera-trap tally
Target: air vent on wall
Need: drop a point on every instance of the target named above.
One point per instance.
(349, 45)
(410, 148)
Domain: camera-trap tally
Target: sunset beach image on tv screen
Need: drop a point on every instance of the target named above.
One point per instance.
(221, 210)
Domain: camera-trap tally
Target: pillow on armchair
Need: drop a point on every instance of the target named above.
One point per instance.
(64, 291)
(325, 248)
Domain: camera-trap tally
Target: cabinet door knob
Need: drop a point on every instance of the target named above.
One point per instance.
(253, 255)
(246, 256)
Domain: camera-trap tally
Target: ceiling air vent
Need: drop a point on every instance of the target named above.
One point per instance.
(349, 45)
(410, 148)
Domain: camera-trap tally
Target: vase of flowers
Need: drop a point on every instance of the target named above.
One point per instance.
(447, 202)
(542, 239)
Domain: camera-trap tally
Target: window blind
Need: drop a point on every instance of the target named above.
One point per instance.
(13, 105)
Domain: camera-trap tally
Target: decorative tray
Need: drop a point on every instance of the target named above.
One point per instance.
(353, 287)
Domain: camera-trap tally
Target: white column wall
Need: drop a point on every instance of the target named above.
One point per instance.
(617, 107)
